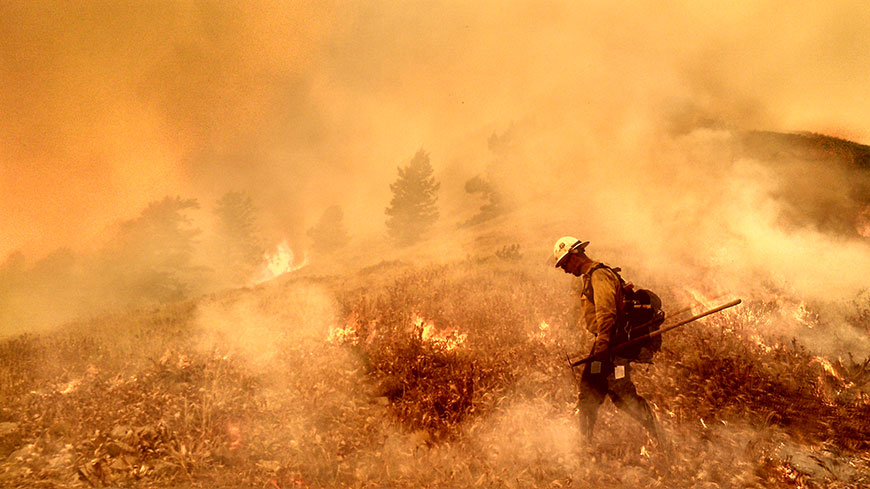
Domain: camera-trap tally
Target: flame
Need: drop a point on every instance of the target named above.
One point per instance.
(771, 312)
(542, 332)
(705, 303)
(803, 315)
(826, 365)
(278, 263)
(786, 471)
(755, 338)
(428, 332)
(73, 385)
(234, 434)
(829, 368)
(348, 334)
(70, 387)
(445, 340)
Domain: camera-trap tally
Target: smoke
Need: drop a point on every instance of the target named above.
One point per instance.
(618, 122)
(258, 327)
(308, 105)
(528, 433)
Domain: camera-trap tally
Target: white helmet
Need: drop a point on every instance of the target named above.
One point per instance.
(565, 246)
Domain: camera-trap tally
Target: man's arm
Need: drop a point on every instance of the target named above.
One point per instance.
(605, 287)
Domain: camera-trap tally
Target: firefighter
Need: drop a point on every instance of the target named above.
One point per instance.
(600, 297)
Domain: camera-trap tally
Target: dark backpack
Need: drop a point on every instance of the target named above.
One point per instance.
(640, 314)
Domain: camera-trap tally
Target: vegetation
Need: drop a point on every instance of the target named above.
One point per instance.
(772, 146)
(493, 205)
(417, 376)
(490, 186)
(151, 259)
(153, 253)
(413, 209)
(238, 240)
(394, 375)
(824, 182)
(330, 233)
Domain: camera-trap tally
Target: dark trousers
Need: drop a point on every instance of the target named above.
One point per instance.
(595, 387)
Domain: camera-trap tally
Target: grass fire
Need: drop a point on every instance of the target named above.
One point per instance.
(290, 244)
(380, 396)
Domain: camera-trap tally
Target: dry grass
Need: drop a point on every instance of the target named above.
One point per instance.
(403, 376)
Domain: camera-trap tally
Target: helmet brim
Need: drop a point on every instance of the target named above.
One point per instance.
(578, 246)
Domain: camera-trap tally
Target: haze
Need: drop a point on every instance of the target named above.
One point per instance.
(616, 117)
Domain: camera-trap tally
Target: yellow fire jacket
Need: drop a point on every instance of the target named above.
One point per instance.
(600, 294)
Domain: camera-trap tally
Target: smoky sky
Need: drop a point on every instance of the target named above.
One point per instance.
(110, 105)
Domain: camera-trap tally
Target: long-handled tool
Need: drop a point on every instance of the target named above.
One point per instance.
(645, 337)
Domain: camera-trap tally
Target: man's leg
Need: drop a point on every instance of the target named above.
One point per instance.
(593, 390)
(624, 395)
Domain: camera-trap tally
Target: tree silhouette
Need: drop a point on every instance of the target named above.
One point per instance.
(153, 254)
(413, 210)
(329, 234)
(491, 186)
(493, 205)
(239, 246)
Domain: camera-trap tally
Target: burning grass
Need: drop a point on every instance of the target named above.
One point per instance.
(774, 381)
(399, 376)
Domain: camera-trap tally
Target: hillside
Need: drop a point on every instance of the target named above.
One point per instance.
(768, 145)
(822, 181)
(400, 375)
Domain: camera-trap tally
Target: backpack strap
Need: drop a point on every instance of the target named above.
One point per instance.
(621, 322)
(588, 280)
(615, 271)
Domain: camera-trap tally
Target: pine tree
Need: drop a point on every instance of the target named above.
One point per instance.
(239, 245)
(153, 254)
(413, 210)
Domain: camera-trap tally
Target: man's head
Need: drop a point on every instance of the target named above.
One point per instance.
(570, 254)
